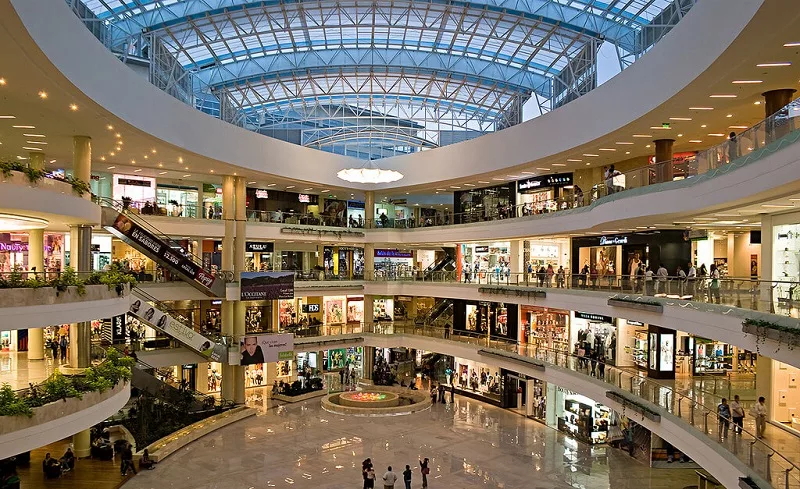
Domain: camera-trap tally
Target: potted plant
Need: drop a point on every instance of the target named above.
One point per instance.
(126, 203)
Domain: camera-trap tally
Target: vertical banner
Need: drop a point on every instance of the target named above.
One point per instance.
(266, 348)
(119, 330)
(267, 286)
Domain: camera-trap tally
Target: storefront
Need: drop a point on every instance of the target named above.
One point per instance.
(178, 200)
(710, 357)
(258, 256)
(212, 201)
(595, 334)
(397, 213)
(547, 193)
(539, 253)
(356, 214)
(485, 204)
(478, 378)
(307, 360)
(486, 259)
(355, 308)
(101, 251)
(616, 257)
(344, 261)
(268, 205)
(343, 357)
(139, 190)
(545, 328)
(584, 419)
(383, 308)
(497, 319)
(393, 263)
(785, 398)
(14, 251)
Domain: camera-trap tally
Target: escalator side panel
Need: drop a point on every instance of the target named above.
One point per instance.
(157, 250)
(164, 322)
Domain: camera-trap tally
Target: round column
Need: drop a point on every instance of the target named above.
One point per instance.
(664, 168)
(81, 443)
(369, 208)
(36, 160)
(82, 160)
(227, 308)
(36, 263)
(369, 262)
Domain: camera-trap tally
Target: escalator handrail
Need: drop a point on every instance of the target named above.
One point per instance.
(217, 338)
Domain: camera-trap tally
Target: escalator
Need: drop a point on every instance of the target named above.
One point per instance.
(438, 311)
(144, 379)
(138, 233)
(160, 317)
(446, 264)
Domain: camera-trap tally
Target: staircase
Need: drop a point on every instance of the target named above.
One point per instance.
(141, 235)
(159, 316)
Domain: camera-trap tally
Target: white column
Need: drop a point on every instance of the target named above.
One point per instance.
(515, 257)
(766, 304)
(36, 261)
(732, 272)
(369, 208)
(369, 263)
(82, 160)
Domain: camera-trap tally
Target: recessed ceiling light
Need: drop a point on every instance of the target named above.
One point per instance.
(34, 135)
(112, 153)
(481, 181)
(212, 171)
(695, 140)
(590, 155)
(180, 159)
(162, 173)
(543, 169)
(774, 64)
(271, 184)
(704, 125)
(30, 148)
(145, 157)
(186, 176)
(118, 148)
(42, 94)
(110, 167)
(35, 142)
(791, 44)
(443, 189)
(133, 162)
(454, 186)
(52, 161)
(312, 188)
(587, 164)
(528, 172)
(24, 127)
(746, 82)
(557, 164)
(512, 176)
(680, 118)
(737, 127)
(660, 128)
(574, 160)
(717, 134)
(627, 152)
(2, 82)
(777, 206)
(722, 95)
(647, 146)
(110, 127)
(469, 184)
(680, 135)
(642, 135)
(8, 117)
(623, 143)
(729, 116)
(757, 102)
(290, 186)
(137, 170)
(701, 108)
(185, 167)
(607, 149)
(73, 107)
(102, 158)
(498, 179)
(326, 190)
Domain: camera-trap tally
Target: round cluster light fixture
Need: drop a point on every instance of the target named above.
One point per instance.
(369, 174)
(13, 222)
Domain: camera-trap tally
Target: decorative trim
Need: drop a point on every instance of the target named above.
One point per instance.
(634, 405)
(638, 303)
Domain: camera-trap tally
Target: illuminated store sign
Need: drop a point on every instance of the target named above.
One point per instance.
(613, 240)
(535, 183)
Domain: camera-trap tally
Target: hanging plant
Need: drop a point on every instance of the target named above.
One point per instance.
(790, 335)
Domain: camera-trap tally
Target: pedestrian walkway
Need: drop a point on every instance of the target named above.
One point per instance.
(17, 371)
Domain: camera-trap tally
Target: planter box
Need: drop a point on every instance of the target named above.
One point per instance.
(46, 296)
(516, 291)
(633, 406)
(782, 337)
(529, 362)
(632, 304)
(161, 449)
(301, 397)
(56, 410)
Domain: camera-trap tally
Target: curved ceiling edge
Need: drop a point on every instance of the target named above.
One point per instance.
(670, 66)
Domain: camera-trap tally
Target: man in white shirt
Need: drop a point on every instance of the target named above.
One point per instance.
(662, 274)
(681, 281)
(389, 478)
(737, 414)
(691, 277)
(759, 412)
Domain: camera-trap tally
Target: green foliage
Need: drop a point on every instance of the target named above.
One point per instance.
(68, 278)
(788, 334)
(79, 187)
(11, 404)
(34, 174)
(115, 369)
(115, 277)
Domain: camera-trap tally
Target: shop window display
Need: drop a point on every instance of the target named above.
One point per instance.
(334, 310)
(383, 309)
(583, 418)
(546, 328)
(594, 335)
(254, 375)
(355, 310)
(712, 357)
(478, 378)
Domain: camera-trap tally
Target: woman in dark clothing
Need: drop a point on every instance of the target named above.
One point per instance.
(423, 465)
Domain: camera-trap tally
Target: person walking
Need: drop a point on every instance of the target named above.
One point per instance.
(681, 281)
(389, 478)
(63, 345)
(713, 285)
(407, 476)
(54, 349)
(366, 466)
(441, 393)
(452, 392)
(433, 392)
(662, 275)
(759, 412)
(724, 414)
(127, 460)
(737, 414)
(425, 470)
(560, 277)
(369, 483)
(691, 278)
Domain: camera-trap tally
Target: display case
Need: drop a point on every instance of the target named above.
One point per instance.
(584, 419)
(640, 349)
(712, 357)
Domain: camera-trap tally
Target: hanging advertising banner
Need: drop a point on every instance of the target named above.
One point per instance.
(173, 327)
(119, 330)
(161, 251)
(267, 285)
(266, 348)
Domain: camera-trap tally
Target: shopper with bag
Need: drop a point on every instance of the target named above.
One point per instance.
(423, 465)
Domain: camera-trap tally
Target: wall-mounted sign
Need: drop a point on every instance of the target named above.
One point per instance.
(613, 240)
(535, 183)
(393, 254)
(132, 182)
(119, 332)
(355, 204)
(255, 247)
(262, 194)
(310, 308)
(635, 323)
(481, 249)
(305, 198)
(13, 246)
(594, 317)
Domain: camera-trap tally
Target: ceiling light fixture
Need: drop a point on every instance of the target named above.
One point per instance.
(737, 127)
(186, 176)
(110, 127)
(774, 64)
(481, 181)
(701, 108)
(557, 164)
(747, 82)
(729, 116)
(110, 167)
(24, 127)
(34, 135)
(251, 183)
(791, 44)
(695, 140)
(31, 148)
(590, 155)
(642, 135)
(290, 186)
(162, 173)
(574, 160)
(704, 125)
(137, 170)
(73, 107)
(543, 169)
(607, 149)
(680, 118)
(469, 184)
(722, 95)
(778, 206)
(717, 134)
(624, 143)
(180, 159)
(42, 94)
(660, 128)
(2, 82)
(8, 117)
(35, 142)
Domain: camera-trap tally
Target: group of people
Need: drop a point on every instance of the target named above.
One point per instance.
(437, 392)
(544, 276)
(54, 468)
(500, 272)
(734, 412)
(390, 477)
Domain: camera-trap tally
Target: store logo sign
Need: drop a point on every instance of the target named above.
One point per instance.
(613, 240)
(262, 194)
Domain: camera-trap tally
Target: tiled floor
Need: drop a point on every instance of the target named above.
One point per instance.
(470, 445)
(16, 370)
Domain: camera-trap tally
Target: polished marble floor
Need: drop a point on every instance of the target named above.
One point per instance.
(470, 445)
(17, 371)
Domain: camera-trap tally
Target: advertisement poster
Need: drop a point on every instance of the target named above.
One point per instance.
(119, 331)
(157, 248)
(472, 317)
(266, 348)
(355, 310)
(753, 266)
(267, 285)
(334, 311)
(171, 326)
